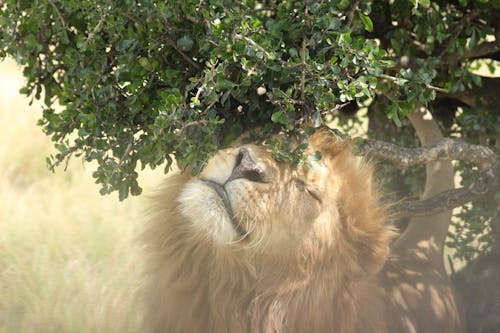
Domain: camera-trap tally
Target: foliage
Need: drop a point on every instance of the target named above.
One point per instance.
(141, 83)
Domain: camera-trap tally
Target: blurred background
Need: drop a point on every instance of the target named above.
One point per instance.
(69, 261)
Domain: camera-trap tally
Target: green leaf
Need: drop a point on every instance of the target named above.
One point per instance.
(473, 38)
(279, 117)
(144, 62)
(367, 22)
(185, 43)
(224, 83)
(425, 3)
(395, 118)
(31, 40)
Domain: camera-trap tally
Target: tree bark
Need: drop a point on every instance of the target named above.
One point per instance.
(424, 237)
(488, 174)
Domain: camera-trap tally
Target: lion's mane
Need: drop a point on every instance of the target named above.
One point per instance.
(333, 281)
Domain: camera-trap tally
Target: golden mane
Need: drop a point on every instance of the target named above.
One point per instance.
(288, 274)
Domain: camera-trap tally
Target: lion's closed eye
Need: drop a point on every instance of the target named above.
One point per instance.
(302, 186)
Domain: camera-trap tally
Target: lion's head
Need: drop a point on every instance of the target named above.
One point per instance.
(250, 236)
(247, 201)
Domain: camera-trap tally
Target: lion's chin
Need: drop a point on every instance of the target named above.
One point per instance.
(206, 211)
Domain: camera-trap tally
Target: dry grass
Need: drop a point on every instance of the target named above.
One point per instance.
(68, 262)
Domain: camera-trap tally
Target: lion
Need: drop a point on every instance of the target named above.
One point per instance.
(252, 245)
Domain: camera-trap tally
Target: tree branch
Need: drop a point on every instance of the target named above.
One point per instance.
(486, 95)
(443, 150)
(483, 50)
(350, 13)
(480, 51)
(251, 42)
(439, 203)
(485, 159)
(396, 80)
(183, 55)
(65, 26)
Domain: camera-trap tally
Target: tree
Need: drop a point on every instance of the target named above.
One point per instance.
(141, 83)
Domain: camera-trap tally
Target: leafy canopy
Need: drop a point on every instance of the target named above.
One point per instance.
(141, 83)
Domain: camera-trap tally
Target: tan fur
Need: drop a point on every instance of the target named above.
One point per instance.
(304, 266)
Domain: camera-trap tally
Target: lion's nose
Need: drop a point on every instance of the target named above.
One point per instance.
(247, 168)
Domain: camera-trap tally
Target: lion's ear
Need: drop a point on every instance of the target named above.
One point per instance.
(330, 142)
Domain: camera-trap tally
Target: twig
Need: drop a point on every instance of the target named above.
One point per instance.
(396, 80)
(172, 43)
(464, 22)
(269, 8)
(197, 123)
(59, 14)
(61, 157)
(98, 26)
(125, 153)
(335, 108)
(350, 13)
(123, 157)
(183, 55)
(303, 71)
(253, 43)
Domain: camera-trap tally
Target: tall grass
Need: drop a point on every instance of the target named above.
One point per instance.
(68, 261)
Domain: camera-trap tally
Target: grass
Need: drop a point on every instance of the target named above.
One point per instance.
(68, 261)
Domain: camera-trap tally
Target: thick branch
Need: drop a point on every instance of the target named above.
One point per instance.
(480, 51)
(443, 150)
(486, 160)
(483, 50)
(439, 203)
(487, 95)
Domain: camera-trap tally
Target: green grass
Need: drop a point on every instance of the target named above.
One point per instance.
(68, 260)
